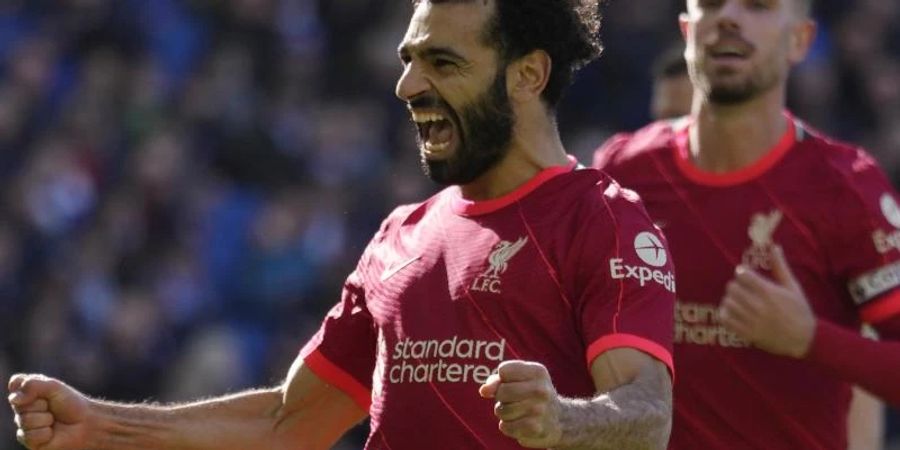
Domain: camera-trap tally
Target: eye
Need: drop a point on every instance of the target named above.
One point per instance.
(710, 4)
(442, 63)
(759, 4)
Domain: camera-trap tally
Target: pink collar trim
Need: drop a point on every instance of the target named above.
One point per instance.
(735, 177)
(465, 207)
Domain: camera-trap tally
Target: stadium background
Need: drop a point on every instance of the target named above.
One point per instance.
(185, 183)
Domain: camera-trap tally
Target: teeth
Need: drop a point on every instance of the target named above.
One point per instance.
(427, 117)
(433, 148)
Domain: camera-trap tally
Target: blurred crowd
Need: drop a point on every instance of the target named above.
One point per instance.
(184, 184)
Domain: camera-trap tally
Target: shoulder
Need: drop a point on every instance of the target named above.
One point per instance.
(845, 165)
(408, 214)
(603, 199)
(624, 148)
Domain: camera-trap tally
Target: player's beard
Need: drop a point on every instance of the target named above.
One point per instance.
(760, 80)
(485, 129)
(726, 88)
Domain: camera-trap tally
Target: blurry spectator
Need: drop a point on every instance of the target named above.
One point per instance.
(185, 183)
(672, 89)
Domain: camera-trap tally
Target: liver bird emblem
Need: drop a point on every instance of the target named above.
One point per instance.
(500, 256)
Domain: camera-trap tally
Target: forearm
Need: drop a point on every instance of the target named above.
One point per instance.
(239, 421)
(871, 364)
(634, 416)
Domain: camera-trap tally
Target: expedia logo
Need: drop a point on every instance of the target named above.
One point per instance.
(650, 250)
(890, 209)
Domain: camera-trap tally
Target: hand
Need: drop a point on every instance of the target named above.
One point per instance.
(49, 415)
(773, 316)
(527, 403)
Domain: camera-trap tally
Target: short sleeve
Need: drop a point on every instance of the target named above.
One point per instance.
(865, 244)
(342, 352)
(628, 298)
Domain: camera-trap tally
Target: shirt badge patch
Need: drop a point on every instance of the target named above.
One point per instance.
(498, 260)
(761, 231)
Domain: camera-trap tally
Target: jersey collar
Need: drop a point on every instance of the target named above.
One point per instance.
(735, 177)
(470, 208)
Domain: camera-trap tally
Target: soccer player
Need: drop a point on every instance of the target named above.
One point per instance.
(784, 242)
(529, 304)
(673, 99)
(673, 92)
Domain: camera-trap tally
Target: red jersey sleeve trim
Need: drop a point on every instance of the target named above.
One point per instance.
(334, 375)
(881, 310)
(700, 176)
(621, 340)
(465, 207)
(873, 365)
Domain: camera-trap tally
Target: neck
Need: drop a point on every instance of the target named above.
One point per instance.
(726, 138)
(535, 146)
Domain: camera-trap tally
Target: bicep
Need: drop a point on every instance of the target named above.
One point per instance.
(621, 366)
(314, 412)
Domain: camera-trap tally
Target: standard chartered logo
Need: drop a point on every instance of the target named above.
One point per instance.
(451, 360)
(651, 251)
(698, 324)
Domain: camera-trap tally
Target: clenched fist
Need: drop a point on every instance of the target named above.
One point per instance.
(527, 404)
(49, 415)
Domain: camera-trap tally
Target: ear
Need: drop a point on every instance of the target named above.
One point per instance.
(803, 35)
(683, 21)
(527, 77)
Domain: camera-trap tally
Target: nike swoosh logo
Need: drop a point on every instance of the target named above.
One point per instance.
(393, 270)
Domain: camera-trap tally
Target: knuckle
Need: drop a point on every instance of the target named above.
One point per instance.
(732, 287)
(36, 420)
(531, 427)
(507, 428)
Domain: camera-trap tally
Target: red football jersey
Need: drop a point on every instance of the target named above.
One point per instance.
(836, 216)
(559, 271)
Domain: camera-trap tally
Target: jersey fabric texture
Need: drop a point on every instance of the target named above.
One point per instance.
(559, 271)
(836, 216)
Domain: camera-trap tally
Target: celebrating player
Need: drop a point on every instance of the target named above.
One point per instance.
(531, 282)
(784, 240)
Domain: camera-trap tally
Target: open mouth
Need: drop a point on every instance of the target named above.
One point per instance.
(435, 131)
(729, 52)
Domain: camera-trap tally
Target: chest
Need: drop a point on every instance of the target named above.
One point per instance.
(471, 279)
(713, 230)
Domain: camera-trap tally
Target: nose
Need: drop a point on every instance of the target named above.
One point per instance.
(412, 82)
(730, 16)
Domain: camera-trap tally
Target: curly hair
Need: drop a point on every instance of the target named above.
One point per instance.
(568, 30)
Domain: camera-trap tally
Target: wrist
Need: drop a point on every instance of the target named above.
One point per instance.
(98, 420)
(567, 418)
(806, 339)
